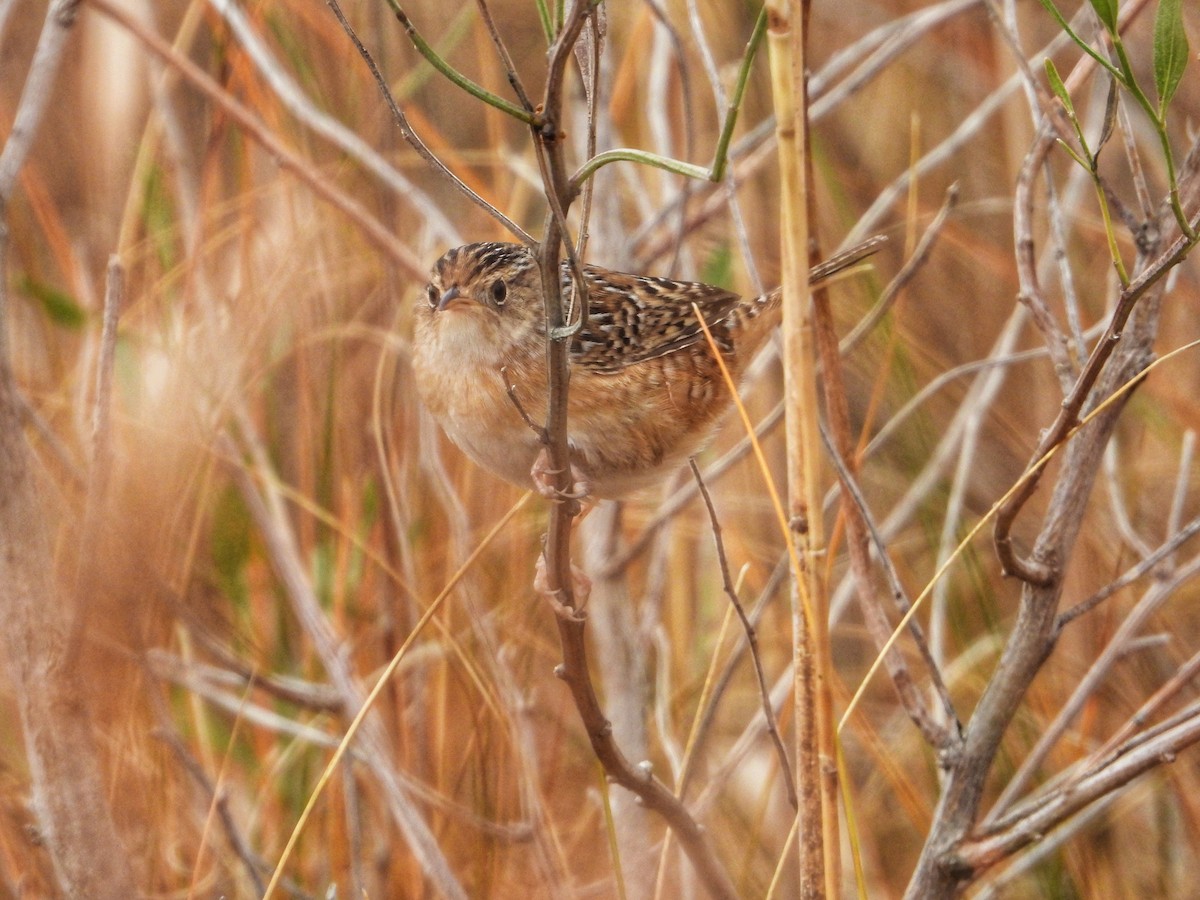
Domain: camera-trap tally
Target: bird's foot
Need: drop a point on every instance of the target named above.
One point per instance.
(543, 480)
(581, 588)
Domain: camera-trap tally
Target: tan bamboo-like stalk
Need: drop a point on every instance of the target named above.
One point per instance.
(816, 774)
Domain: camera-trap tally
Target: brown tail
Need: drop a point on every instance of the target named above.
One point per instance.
(752, 320)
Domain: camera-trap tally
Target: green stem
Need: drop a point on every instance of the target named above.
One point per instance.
(1113, 249)
(645, 157)
(449, 41)
(689, 170)
(1160, 128)
(454, 75)
(544, 17)
(1083, 45)
(721, 157)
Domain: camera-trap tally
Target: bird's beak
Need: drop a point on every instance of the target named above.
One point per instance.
(448, 297)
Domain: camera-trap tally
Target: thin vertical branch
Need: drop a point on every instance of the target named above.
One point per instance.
(939, 735)
(785, 765)
(558, 573)
(510, 69)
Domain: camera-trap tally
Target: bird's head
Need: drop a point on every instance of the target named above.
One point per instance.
(482, 299)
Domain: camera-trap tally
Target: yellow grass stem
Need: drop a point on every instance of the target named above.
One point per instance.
(783, 857)
(860, 875)
(610, 832)
(991, 514)
(761, 459)
(380, 684)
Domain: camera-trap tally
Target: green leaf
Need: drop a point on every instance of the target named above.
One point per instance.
(59, 306)
(1106, 10)
(1084, 45)
(1060, 89)
(1170, 51)
(1072, 153)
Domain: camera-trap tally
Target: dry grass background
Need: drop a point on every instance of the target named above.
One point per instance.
(258, 315)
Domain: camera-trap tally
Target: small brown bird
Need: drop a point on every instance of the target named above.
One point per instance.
(645, 391)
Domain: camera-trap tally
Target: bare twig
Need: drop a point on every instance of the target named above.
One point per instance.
(1141, 756)
(409, 135)
(1031, 293)
(114, 296)
(659, 80)
(944, 737)
(1183, 479)
(1090, 683)
(968, 129)
(1042, 572)
(873, 52)
(1175, 685)
(723, 679)
(785, 765)
(510, 69)
(858, 535)
(234, 677)
(1036, 571)
(907, 273)
(1113, 369)
(997, 885)
(1148, 564)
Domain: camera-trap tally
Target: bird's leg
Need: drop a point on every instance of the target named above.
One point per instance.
(581, 588)
(541, 472)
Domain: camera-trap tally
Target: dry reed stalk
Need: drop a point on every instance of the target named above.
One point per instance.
(818, 839)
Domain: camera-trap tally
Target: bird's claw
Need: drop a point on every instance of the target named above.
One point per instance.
(581, 588)
(543, 479)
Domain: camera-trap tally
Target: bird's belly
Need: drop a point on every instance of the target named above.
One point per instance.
(507, 449)
(627, 431)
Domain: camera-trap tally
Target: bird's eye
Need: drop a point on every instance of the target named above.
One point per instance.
(499, 291)
(431, 295)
